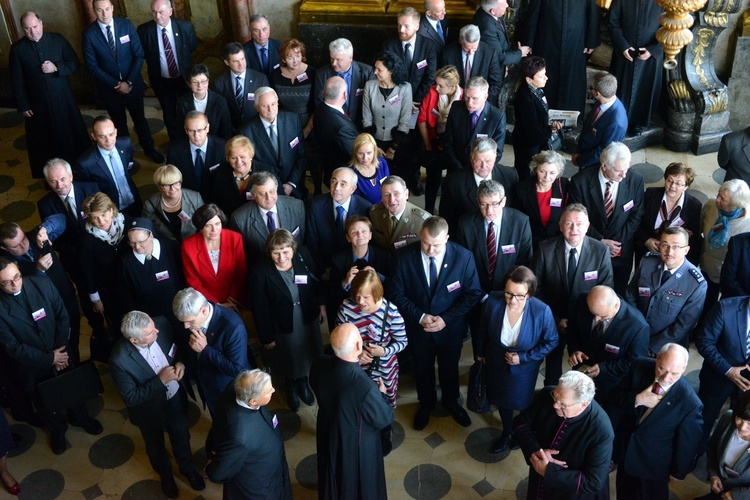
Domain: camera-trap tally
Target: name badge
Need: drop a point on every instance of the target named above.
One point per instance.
(125, 39)
(37, 315)
(300, 279)
(644, 291)
(435, 112)
(394, 99)
(295, 233)
(162, 276)
(359, 92)
(275, 421)
(482, 136)
(508, 249)
(555, 202)
(677, 222)
(612, 348)
(454, 286)
(83, 215)
(250, 96)
(590, 275)
(248, 195)
(172, 351)
(302, 77)
(211, 169)
(184, 218)
(628, 206)
(130, 165)
(399, 244)
(294, 142)
(422, 64)
(276, 66)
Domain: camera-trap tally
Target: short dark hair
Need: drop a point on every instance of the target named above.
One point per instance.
(353, 219)
(522, 275)
(101, 119)
(231, 49)
(8, 231)
(670, 231)
(679, 168)
(281, 238)
(199, 69)
(394, 64)
(532, 65)
(435, 225)
(5, 261)
(364, 280)
(207, 212)
(741, 405)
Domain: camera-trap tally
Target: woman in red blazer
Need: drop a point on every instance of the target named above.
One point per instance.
(214, 258)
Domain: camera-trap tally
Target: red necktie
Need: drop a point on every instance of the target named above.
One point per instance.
(174, 72)
(491, 249)
(656, 388)
(609, 204)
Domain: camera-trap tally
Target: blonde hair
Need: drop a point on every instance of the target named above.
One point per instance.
(167, 174)
(98, 202)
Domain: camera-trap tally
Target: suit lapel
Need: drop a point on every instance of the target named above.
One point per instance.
(102, 163)
(138, 359)
(481, 242)
(274, 277)
(417, 263)
(742, 323)
(595, 190)
(561, 264)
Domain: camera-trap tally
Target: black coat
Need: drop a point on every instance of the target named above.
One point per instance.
(342, 261)
(526, 201)
(532, 132)
(361, 74)
(496, 37)
(180, 156)
(224, 85)
(217, 113)
(485, 64)
(334, 137)
(421, 73)
(458, 134)
(185, 43)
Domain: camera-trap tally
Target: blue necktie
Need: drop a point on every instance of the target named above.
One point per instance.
(340, 217)
(111, 42)
(474, 120)
(121, 183)
(440, 31)
(433, 276)
(199, 164)
(348, 79)
(270, 222)
(264, 59)
(238, 92)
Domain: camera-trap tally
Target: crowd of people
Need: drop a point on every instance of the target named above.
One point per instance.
(595, 271)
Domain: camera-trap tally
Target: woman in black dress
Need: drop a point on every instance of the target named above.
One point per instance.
(293, 82)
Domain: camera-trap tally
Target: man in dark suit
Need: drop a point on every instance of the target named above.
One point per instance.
(661, 417)
(433, 24)
(325, 220)
(471, 119)
(605, 337)
(168, 45)
(34, 328)
(183, 154)
(238, 85)
(354, 73)
(735, 271)
(334, 130)
(146, 372)
(614, 197)
(559, 285)
(210, 103)
(278, 140)
(113, 55)
(266, 213)
(668, 290)
(460, 187)
(434, 286)
(261, 51)
(245, 449)
(498, 238)
(472, 57)
(605, 124)
(734, 155)
(108, 164)
(40, 64)
(723, 345)
(489, 19)
(218, 340)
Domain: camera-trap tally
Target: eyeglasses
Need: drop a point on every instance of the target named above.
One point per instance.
(676, 183)
(12, 281)
(196, 130)
(666, 246)
(512, 296)
(562, 406)
(140, 243)
(494, 204)
(199, 83)
(169, 186)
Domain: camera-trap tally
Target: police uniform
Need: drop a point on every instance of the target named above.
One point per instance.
(406, 231)
(672, 309)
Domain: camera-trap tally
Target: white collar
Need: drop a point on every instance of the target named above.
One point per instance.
(155, 254)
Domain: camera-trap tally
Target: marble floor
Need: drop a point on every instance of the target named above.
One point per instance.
(442, 461)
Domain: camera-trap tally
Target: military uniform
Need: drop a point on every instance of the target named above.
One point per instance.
(405, 232)
(671, 310)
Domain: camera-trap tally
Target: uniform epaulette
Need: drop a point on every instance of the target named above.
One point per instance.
(652, 254)
(697, 275)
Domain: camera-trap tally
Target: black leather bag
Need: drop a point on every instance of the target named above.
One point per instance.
(477, 398)
(70, 387)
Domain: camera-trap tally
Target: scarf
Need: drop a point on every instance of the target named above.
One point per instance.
(719, 233)
(539, 94)
(115, 233)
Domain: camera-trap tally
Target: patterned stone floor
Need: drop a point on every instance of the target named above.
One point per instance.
(442, 461)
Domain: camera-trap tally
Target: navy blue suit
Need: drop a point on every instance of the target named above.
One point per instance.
(224, 85)
(179, 155)
(495, 35)
(108, 71)
(484, 64)
(361, 74)
(323, 239)
(456, 293)
(735, 271)
(610, 127)
(253, 61)
(459, 135)
(91, 166)
(421, 73)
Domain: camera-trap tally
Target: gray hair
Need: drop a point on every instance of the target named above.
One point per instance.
(580, 383)
(352, 174)
(490, 188)
(576, 207)
(550, 156)
(393, 179)
(615, 151)
(188, 302)
(739, 193)
(341, 46)
(257, 17)
(333, 88)
(53, 164)
(671, 346)
(249, 384)
(133, 324)
(477, 82)
(469, 34)
(605, 83)
(260, 179)
(263, 91)
(488, 5)
(483, 145)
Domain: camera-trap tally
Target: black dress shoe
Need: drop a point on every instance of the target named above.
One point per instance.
(292, 398)
(155, 155)
(196, 481)
(304, 391)
(459, 415)
(422, 417)
(169, 487)
(92, 426)
(501, 445)
(58, 444)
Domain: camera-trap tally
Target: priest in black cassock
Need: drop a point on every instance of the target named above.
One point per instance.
(636, 58)
(352, 412)
(566, 439)
(40, 64)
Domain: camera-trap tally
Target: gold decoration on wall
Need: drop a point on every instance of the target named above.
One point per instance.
(678, 90)
(716, 19)
(716, 102)
(676, 23)
(699, 52)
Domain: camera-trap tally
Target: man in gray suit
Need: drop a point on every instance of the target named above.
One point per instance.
(734, 155)
(567, 267)
(668, 290)
(266, 213)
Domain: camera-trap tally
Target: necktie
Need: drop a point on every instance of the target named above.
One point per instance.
(609, 204)
(433, 276)
(340, 217)
(572, 264)
(501, 22)
(274, 138)
(747, 345)
(467, 67)
(664, 277)
(598, 330)
(111, 42)
(392, 225)
(439, 28)
(407, 57)
(199, 164)
(270, 222)
(656, 388)
(121, 183)
(174, 72)
(69, 206)
(238, 92)
(597, 112)
(491, 249)
(474, 119)
(264, 59)
(667, 217)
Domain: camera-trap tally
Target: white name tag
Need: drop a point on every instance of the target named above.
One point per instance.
(125, 39)
(435, 112)
(184, 218)
(300, 279)
(628, 206)
(644, 291)
(276, 66)
(454, 286)
(250, 96)
(422, 64)
(211, 169)
(294, 142)
(399, 244)
(248, 195)
(482, 136)
(37, 315)
(275, 420)
(590, 275)
(612, 348)
(394, 99)
(295, 233)
(508, 249)
(677, 222)
(130, 165)
(359, 92)
(172, 351)
(164, 275)
(302, 77)
(555, 202)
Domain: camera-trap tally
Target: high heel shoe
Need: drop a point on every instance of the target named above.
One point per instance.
(14, 490)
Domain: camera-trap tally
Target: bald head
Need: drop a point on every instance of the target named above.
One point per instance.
(603, 302)
(346, 342)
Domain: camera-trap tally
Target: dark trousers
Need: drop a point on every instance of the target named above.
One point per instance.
(425, 350)
(713, 392)
(170, 91)
(554, 361)
(176, 426)
(636, 488)
(116, 104)
(621, 268)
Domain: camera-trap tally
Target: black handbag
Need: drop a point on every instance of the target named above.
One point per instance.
(477, 395)
(555, 142)
(70, 387)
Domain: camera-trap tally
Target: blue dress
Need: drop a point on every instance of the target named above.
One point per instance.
(369, 187)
